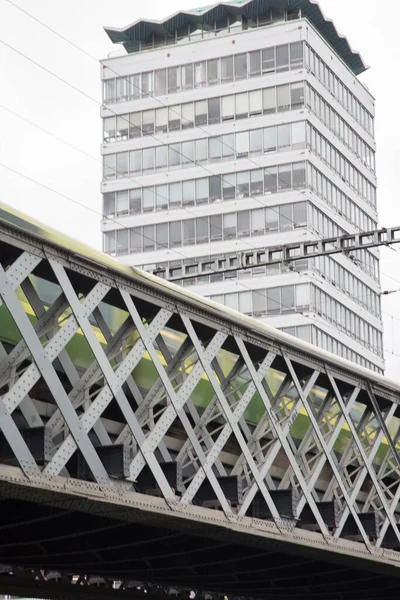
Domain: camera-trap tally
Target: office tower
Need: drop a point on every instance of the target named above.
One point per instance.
(237, 127)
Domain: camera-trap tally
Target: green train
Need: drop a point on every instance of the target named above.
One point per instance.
(145, 374)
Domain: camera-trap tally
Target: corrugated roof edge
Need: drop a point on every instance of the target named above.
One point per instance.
(119, 34)
(31, 226)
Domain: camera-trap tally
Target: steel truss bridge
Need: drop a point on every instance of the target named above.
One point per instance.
(153, 443)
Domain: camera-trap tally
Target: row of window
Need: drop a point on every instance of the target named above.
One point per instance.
(235, 225)
(215, 188)
(206, 229)
(205, 270)
(304, 298)
(325, 113)
(341, 203)
(314, 335)
(204, 112)
(327, 228)
(357, 290)
(234, 68)
(341, 166)
(227, 147)
(346, 98)
(225, 24)
(204, 73)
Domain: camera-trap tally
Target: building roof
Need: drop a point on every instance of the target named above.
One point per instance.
(140, 30)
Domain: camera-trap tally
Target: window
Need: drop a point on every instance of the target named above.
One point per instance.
(135, 161)
(109, 129)
(214, 149)
(287, 298)
(200, 70)
(245, 304)
(269, 101)
(282, 58)
(240, 66)
(299, 213)
(122, 241)
(271, 219)
(175, 194)
(200, 112)
(122, 164)
(274, 300)
(161, 157)
(109, 166)
(148, 238)
(296, 55)
(148, 122)
(283, 97)
(284, 136)
(259, 302)
(228, 187)
(297, 95)
(270, 143)
(174, 155)
(147, 84)
(215, 188)
(201, 150)
(257, 221)
(174, 117)
(175, 235)
(298, 135)
(110, 89)
(162, 236)
(242, 144)
(135, 125)
(228, 108)
(201, 190)
(202, 235)
(122, 201)
(255, 63)
(256, 142)
(228, 146)
(187, 115)
(255, 103)
(109, 205)
(122, 127)
(135, 201)
(213, 74)
(299, 175)
(214, 111)
(242, 106)
(285, 217)
(187, 77)
(229, 226)
(270, 180)
(188, 193)
(243, 184)
(187, 150)
(161, 120)
(268, 60)
(174, 79)
(148, 159)
(243, 223)
(227, 68)
(136, 239)
(256, 182)
(216, 227)
(160, 82)
(148, 199)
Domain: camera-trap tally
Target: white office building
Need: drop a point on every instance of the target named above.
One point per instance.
(238, 127)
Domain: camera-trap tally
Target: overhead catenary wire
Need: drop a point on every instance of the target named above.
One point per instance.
(91, 98)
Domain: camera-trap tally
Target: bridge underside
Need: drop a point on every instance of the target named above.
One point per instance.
(64, 546)
(166, 445)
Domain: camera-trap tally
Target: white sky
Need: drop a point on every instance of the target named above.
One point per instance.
(41, 98)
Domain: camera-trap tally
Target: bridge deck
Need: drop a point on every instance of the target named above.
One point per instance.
(148, 435)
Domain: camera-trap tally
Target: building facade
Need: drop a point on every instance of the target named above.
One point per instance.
(239, 127)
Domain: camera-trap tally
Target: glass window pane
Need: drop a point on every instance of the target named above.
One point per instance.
(174, 156)
(256, 182)
(213, 73)
(200, 70)
(245, 304)
(109, 129)
(122, 127)
(230, 226)
(109, 166)
(202, 190)
(201, 150)
(242, 106)
(270, 142)
(188, 232)
(268, 60)
(148, 122)
(175, 194)
(257, 221)
(228, 146)
(300, 214)
(122, 164)
(227, 68)
(215, 188)
(188, 192)
(270, 180)
(187, 156)
(187, 115)
(214, 149)
(161, 197)
(259, 302)
(243, 184)
(122, 241)
(228, 186)
(161, 120)
(286, 217)
(200, 112)
(271, 219)
(242, 144)
(285, 177)
(282, 58)
(232, 301)
(243, 223)
(297, 95)
(269, 100)
(216, 227)
(256, 141)
(255, 103)
(174, 117)
(283, 97)
(296, 55)
(162, 235)
(287, 298)
(228, 107)
(135, 161)
(148, 199)
(299, 175)
(283, 136)
(255, 63)
(148, 238)
(187, 76)
(161, 157)
(302, 295)
(148, 159)
(122, 202)
(174, 79)
(274, 300)
(160, 82)
(136, 241)
(135, 125)
(135, 201)
(298, 134)
(202, 230)
(214, 111)
(109, 204)
(240, 66)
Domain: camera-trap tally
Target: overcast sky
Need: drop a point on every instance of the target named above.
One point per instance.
(41, 98)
